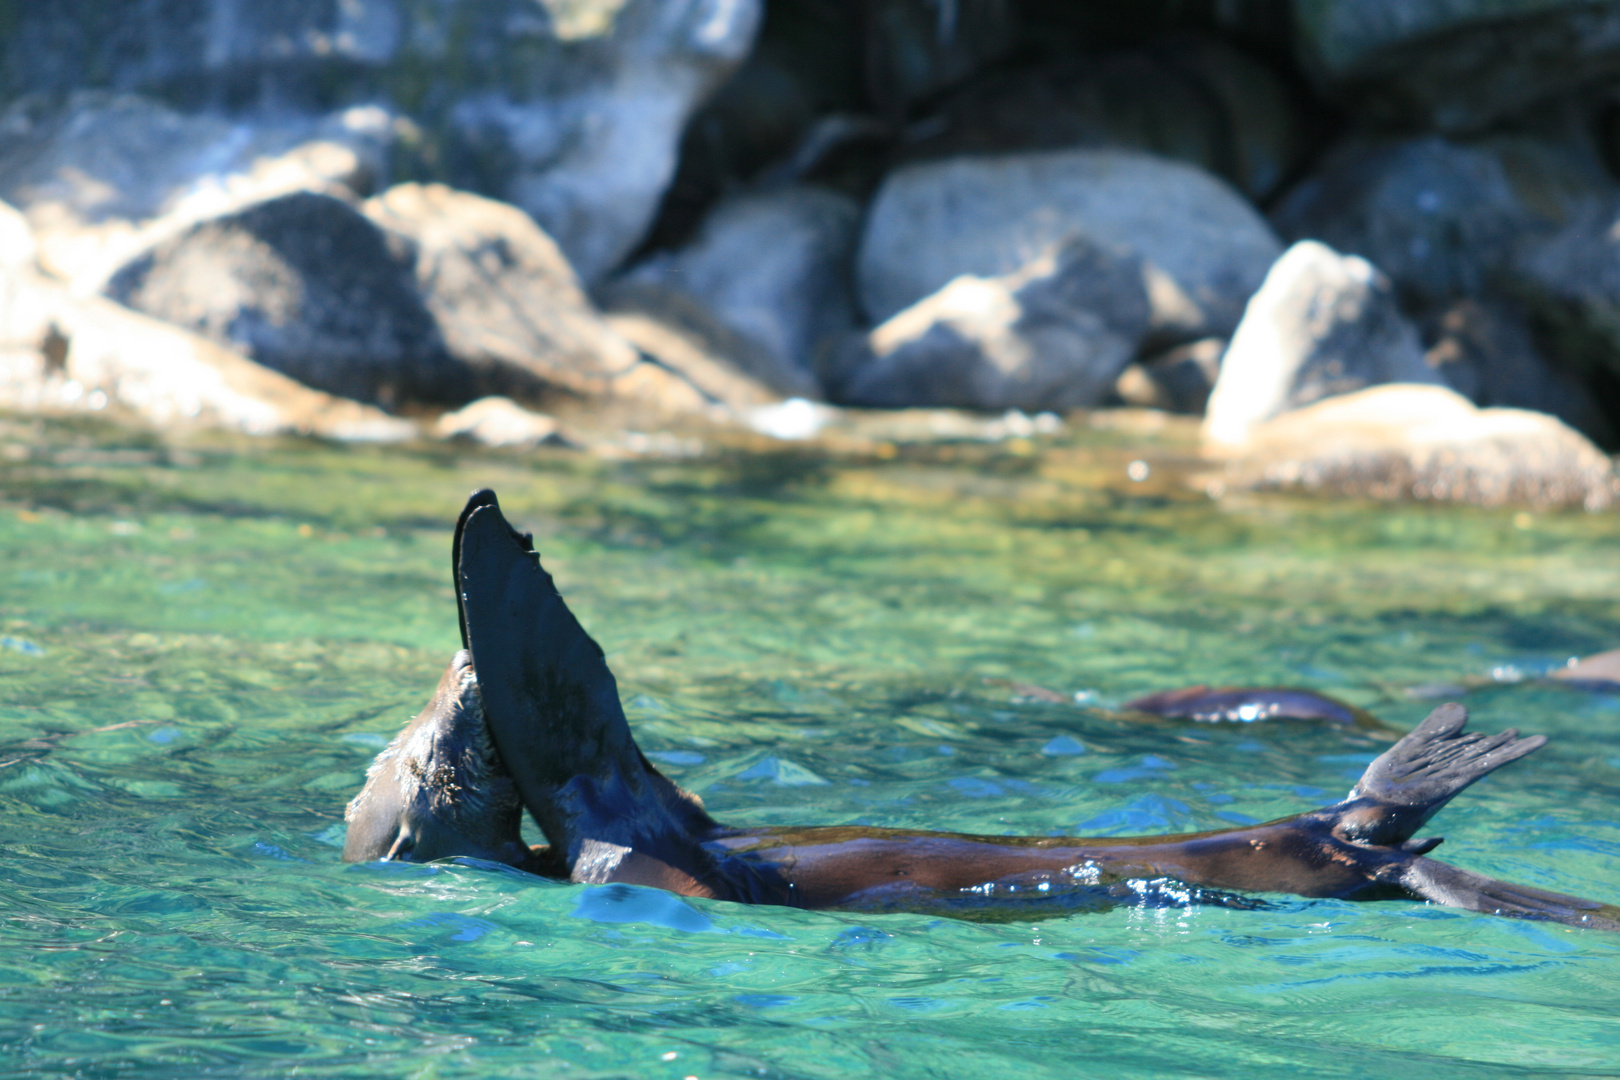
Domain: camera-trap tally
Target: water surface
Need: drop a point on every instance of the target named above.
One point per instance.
(203, 643)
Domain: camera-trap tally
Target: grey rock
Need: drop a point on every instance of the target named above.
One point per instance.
(1052, 336)
(775, 268)
(1454, 64)
(1442, 218)
(105, 176)
(65, 353)
(572, 109)
(1204, 249)
(1427, 443)
(690, 365)
(306, 285)
(507, 304)
(1322, 324)
(1177, 380)
(1486, 351)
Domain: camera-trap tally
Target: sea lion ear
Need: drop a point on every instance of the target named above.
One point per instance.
(551, 703)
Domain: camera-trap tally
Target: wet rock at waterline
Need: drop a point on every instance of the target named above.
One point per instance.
(500, 422)
(1177, 380)
(60, 352)
(774, 268)
(1322, 324)
(103, 177)
(1203, 248)
(1405, 441)
(1454, 64)
(690, 365)
(507, 305)
(1052, 336)
(306, 285)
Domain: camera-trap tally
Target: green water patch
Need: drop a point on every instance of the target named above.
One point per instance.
(203, 641)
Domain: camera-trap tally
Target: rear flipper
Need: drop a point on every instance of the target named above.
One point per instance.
(1441, 883)
(1412, 780)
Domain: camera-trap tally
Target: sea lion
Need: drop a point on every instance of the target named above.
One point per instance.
(528, 716)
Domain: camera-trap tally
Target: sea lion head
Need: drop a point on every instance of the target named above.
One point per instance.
(440, 788)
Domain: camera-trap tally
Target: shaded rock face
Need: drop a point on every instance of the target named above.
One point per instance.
(775, 268)
(1443, 219)
(105, 176)
(1054, 335)
(1486, 351)
(303, 284)
(1190, 99)
(506, 304)
(1454, 64)
(1203, 248)
(1571, 281)
(1322, 324)
(571, 109)
(1428, 443)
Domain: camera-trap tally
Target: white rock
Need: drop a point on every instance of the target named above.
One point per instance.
(497, 421)
(1321, 324)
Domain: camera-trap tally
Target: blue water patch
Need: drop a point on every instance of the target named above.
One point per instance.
(368, 739)
(620, 903)
(861, 937)
(764, 1001)
(274, 851)
(1145, 813)
(1237, 817)
(677, 757)
(975, 788)
(163, 736)
(780, 771)
(945, 751)
(21, 645)
(1063, 746)
(1218, 798)
(466, 927)
(1151, 765)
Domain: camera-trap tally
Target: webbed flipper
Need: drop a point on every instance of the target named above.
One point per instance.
(1442, 883)
(553, 707)
(1409, 783)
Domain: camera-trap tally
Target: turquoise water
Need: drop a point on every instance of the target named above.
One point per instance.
(202, 645)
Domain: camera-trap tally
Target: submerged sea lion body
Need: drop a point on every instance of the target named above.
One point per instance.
(529, 714)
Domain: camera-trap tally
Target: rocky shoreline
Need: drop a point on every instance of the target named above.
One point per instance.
(1372, 243)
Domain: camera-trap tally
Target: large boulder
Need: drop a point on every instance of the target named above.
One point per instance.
(572, 110)
(106, 176)
(1322, 324)
(1454, 64)
(507, 304)
(1424, 442)
(304, 284)
(61, 352)
(1203, 247)
(1052, 336)
(1443, 218)
(775, 268)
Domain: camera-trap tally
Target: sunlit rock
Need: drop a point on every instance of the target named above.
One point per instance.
(60, 352)
(1053, 335)
(1203, 247)
(104, 177)
(774, 268)
(306, 285)
(1322, 324)
(508, 307)
(498, 421)
(1405, 441)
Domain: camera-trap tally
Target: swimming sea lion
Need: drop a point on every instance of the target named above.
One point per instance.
(528, 715)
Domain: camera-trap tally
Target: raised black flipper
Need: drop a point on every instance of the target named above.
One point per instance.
(1409, 783)
(1442, 883)
(553, 707)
